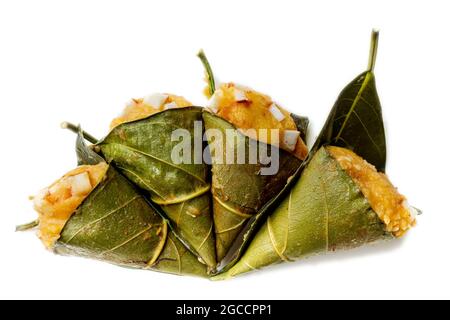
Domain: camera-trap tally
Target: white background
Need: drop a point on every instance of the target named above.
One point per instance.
(82, 60)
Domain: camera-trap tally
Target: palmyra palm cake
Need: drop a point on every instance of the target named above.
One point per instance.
(240, 190)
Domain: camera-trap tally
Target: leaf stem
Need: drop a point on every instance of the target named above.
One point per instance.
(373, 50)
(209, 73)
(75, 129)
(27, 226)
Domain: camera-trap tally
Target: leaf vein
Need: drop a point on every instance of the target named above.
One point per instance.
(127, 241)
(206, 238)
(354, 104)
(102, 218)
(272, 240)
(327, 216)
(367, 132)
(160, 160)
(231, 228)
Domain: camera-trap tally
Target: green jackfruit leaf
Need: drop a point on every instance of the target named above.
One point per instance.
(356, 121)
(115, 223)
(324, 212)
(142, 151)
(239, 190)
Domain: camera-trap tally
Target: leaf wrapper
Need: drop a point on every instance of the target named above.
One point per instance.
(239, 190)
(324, 212)
(355, 122)
(142, 150)
(115, 223)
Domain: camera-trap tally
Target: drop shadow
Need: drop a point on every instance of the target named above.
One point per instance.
(378, 248)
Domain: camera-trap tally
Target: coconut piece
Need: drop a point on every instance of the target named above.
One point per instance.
(170, 105)
(275, 111)
(289, 139)
(155, 100)
(80, 184)
(239, 95)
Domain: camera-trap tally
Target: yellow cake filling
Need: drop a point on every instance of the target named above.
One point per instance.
(144, 107)
(391, 207)
(251, 111)
(58, 202)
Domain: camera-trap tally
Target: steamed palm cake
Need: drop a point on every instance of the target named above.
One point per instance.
(142, 108)
(251, 111)
(391, 207)
(57, 203)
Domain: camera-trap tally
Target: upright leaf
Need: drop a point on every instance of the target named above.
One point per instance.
(355, 121)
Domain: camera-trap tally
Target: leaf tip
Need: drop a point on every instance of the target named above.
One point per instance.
(200, 53)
